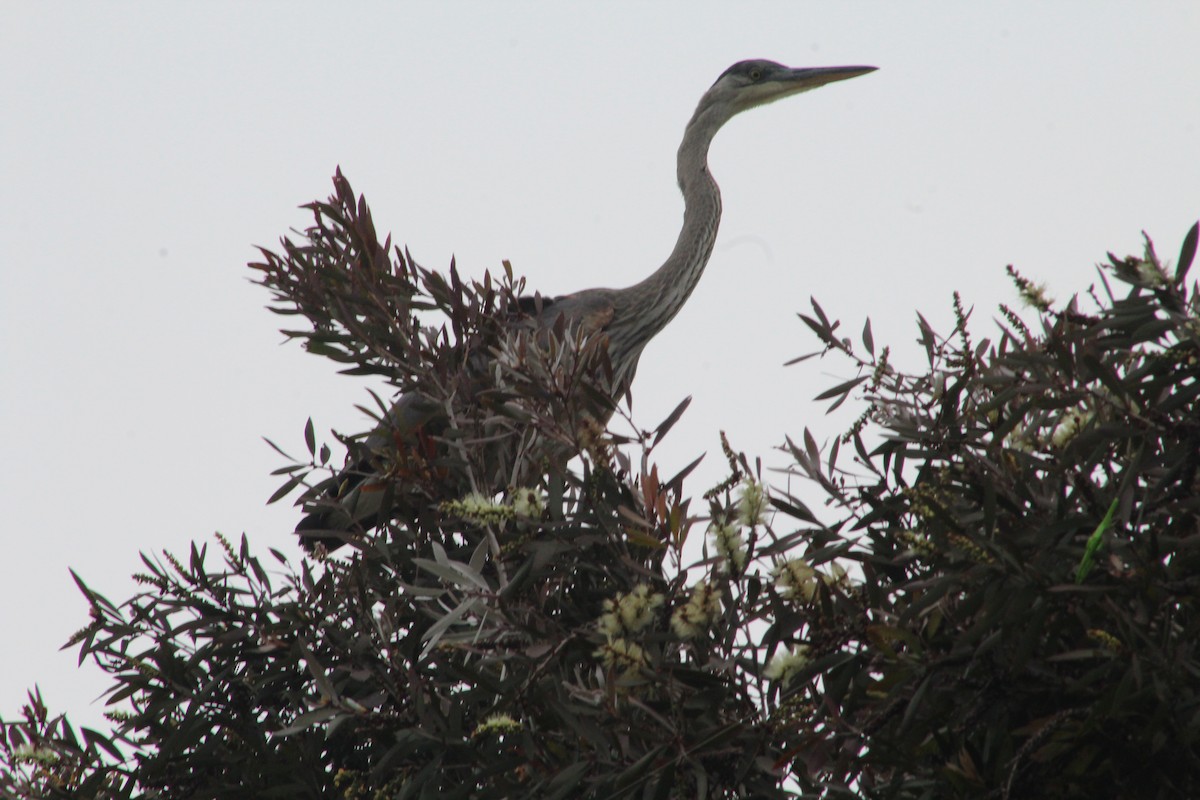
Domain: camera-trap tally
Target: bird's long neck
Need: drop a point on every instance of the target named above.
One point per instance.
(656, 300)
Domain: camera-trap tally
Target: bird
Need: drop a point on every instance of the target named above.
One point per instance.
(351, 503)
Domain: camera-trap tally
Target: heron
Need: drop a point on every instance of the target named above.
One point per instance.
(626, 318)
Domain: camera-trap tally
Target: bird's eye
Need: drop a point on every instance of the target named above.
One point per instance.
(755, 74)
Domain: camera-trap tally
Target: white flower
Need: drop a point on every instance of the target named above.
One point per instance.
(496, 724)
(1070, 425)
(35, 755)
(1036, 296)
(1018, 439)
(527, 502)
(1150, 272)
(483, 510)
(752, 505)
(698, 613)
(479, 509)
(836, 575)
(729, 544)
(1102, 394)
(629, 613)
(787, 663)
(918, 542)
(796, 579)
(622, 655)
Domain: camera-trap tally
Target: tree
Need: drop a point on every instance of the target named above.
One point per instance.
(997, 599)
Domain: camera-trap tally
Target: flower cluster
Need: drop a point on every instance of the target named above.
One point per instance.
(1070, 424)
(1105, 639)
(919, 543)
(523, 502)
(786, 663)
(1033, 294)
(33, 754)
(752, 503)
(622, 655)
(796, 579)
(1150, 271)
(699, 612)
(630, 612)
(729, 544)
(835, 575)
(528, 503)
(496, 725)
(478, 509)
(1020, 439)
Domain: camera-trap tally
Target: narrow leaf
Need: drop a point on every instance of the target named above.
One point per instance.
(310, 438)
(798, 359)
(841, 388)
(1187, 253)
(671, 419)
(814, 452)
(284, 491)
(307, 720)
(277, 449)
(318, 672)
(434, 634)
(794, 509)
(1093, 544)
(92, 737)
(676, 482)
(455, 572)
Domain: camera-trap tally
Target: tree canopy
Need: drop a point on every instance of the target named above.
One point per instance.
(996, 597)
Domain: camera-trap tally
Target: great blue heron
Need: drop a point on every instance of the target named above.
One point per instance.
(628, 318)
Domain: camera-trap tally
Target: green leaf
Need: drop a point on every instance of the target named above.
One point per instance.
(1093, 543)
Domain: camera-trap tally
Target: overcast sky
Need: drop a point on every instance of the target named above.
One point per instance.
(146, 148)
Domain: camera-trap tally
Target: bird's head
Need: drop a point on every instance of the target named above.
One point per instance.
(748, 84)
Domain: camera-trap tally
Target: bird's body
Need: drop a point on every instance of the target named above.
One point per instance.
(626, 318)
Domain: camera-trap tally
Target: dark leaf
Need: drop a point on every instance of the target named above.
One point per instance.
(310, 440)
(285, 489)
(671, 419)
(840, 389)
(1187, 253)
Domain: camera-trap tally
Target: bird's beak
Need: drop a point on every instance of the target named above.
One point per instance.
(787, 82)
(805, 78)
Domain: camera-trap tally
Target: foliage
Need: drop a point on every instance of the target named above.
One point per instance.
(1028, 533)
(1001, 603)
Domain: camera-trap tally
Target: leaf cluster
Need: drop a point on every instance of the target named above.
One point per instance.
(1027, 526)
(369, 305)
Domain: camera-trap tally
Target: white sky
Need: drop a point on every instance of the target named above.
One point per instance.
(145, 148)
